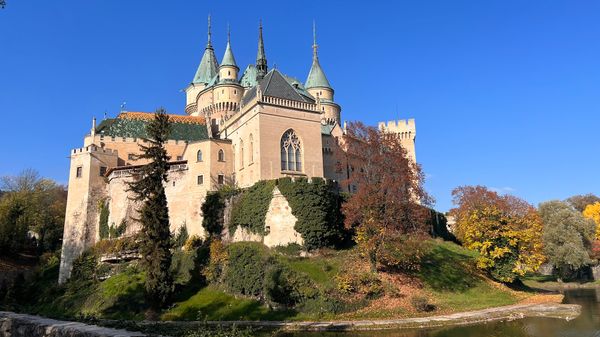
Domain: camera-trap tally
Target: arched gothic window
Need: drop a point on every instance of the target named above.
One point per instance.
(251, 150)
(241, 153)
(199, 155)
(291, 152)
(221, 155)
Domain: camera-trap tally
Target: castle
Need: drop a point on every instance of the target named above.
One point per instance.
(238, 128)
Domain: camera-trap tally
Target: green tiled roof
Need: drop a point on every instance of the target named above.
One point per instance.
(136, 128)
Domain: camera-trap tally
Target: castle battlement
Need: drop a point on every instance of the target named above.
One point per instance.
(401, 125)
(93, 149)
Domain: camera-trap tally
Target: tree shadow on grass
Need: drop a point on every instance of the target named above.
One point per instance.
(129, 305)
(443, 269)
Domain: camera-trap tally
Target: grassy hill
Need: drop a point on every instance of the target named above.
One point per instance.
(332, 285)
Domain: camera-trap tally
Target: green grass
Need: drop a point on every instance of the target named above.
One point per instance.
(320, 270)
(453, 282)
(213, 304)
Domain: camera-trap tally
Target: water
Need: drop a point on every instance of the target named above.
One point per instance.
(585, 325)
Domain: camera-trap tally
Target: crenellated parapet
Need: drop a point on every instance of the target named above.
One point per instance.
(406, 130)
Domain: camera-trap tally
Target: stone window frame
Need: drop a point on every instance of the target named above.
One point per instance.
(102, 170)
(221, 179)
(79, 172)
(199, 156)
(200, 179)
(291, 161)
(221, 155)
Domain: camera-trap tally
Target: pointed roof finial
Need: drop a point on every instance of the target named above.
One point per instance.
(208, 44)
(208, 64)
(314, 40)
(261, 58)
(316, 76)
(228, 33)
(228, 59)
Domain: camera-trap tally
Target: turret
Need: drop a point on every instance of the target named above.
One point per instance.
(207, 70)
(261, 58)
(228, 70)
(318, 86)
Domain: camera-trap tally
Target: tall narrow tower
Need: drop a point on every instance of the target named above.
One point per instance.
(261, 58)
(318, 86)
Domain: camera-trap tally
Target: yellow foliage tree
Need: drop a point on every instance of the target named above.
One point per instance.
(593, 212)
(506, 231)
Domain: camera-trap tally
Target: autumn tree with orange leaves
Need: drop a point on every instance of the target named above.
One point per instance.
(387, 204)
(504, 229)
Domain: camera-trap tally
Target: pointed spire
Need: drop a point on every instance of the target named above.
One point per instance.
(316, 76)
(261, 58)
(228, 59)
(208, 64)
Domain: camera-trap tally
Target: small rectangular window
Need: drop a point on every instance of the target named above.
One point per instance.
(79, 172)
(200, 180)
(220, 179)
(131, 156)
(102, 170)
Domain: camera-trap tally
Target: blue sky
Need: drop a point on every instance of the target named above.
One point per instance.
(505, 93)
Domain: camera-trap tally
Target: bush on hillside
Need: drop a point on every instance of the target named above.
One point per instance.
(245, 270)
(404, 253)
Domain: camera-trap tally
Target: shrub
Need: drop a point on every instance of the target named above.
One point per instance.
(182, 266)
(292, 249)
(404, 253)
(192, 243)
(84, 267)
(317, 206)
(212, 212)
(245, 270)
(421, 304)
(181, 237)
(285, 286)
(218, 257)
(359, 282)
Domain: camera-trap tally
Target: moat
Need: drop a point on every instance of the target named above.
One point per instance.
(587, 324)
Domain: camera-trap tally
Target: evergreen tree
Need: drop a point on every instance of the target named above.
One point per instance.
(148, 188)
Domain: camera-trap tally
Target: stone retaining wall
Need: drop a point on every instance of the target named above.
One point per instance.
(20, 325)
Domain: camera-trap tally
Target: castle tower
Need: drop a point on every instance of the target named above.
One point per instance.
(228, 70)
(228, 92)
(318, 86)
(407, 131)
(261, 58)
(207, 70)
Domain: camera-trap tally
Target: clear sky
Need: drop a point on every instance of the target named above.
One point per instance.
(504, 93)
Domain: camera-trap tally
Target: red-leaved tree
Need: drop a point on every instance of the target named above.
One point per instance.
(387, 204)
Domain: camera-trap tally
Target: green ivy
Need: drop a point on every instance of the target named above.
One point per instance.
(104, 214)
(250, 208)
(115, 232)
(317, 206)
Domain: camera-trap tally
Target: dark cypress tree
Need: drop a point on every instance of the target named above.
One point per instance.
(148, 189)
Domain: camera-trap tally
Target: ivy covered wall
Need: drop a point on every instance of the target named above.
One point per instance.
(315, 204)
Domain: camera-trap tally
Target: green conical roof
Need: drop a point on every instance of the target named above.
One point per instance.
(228, 59)
(208, 64)
(316, 76)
